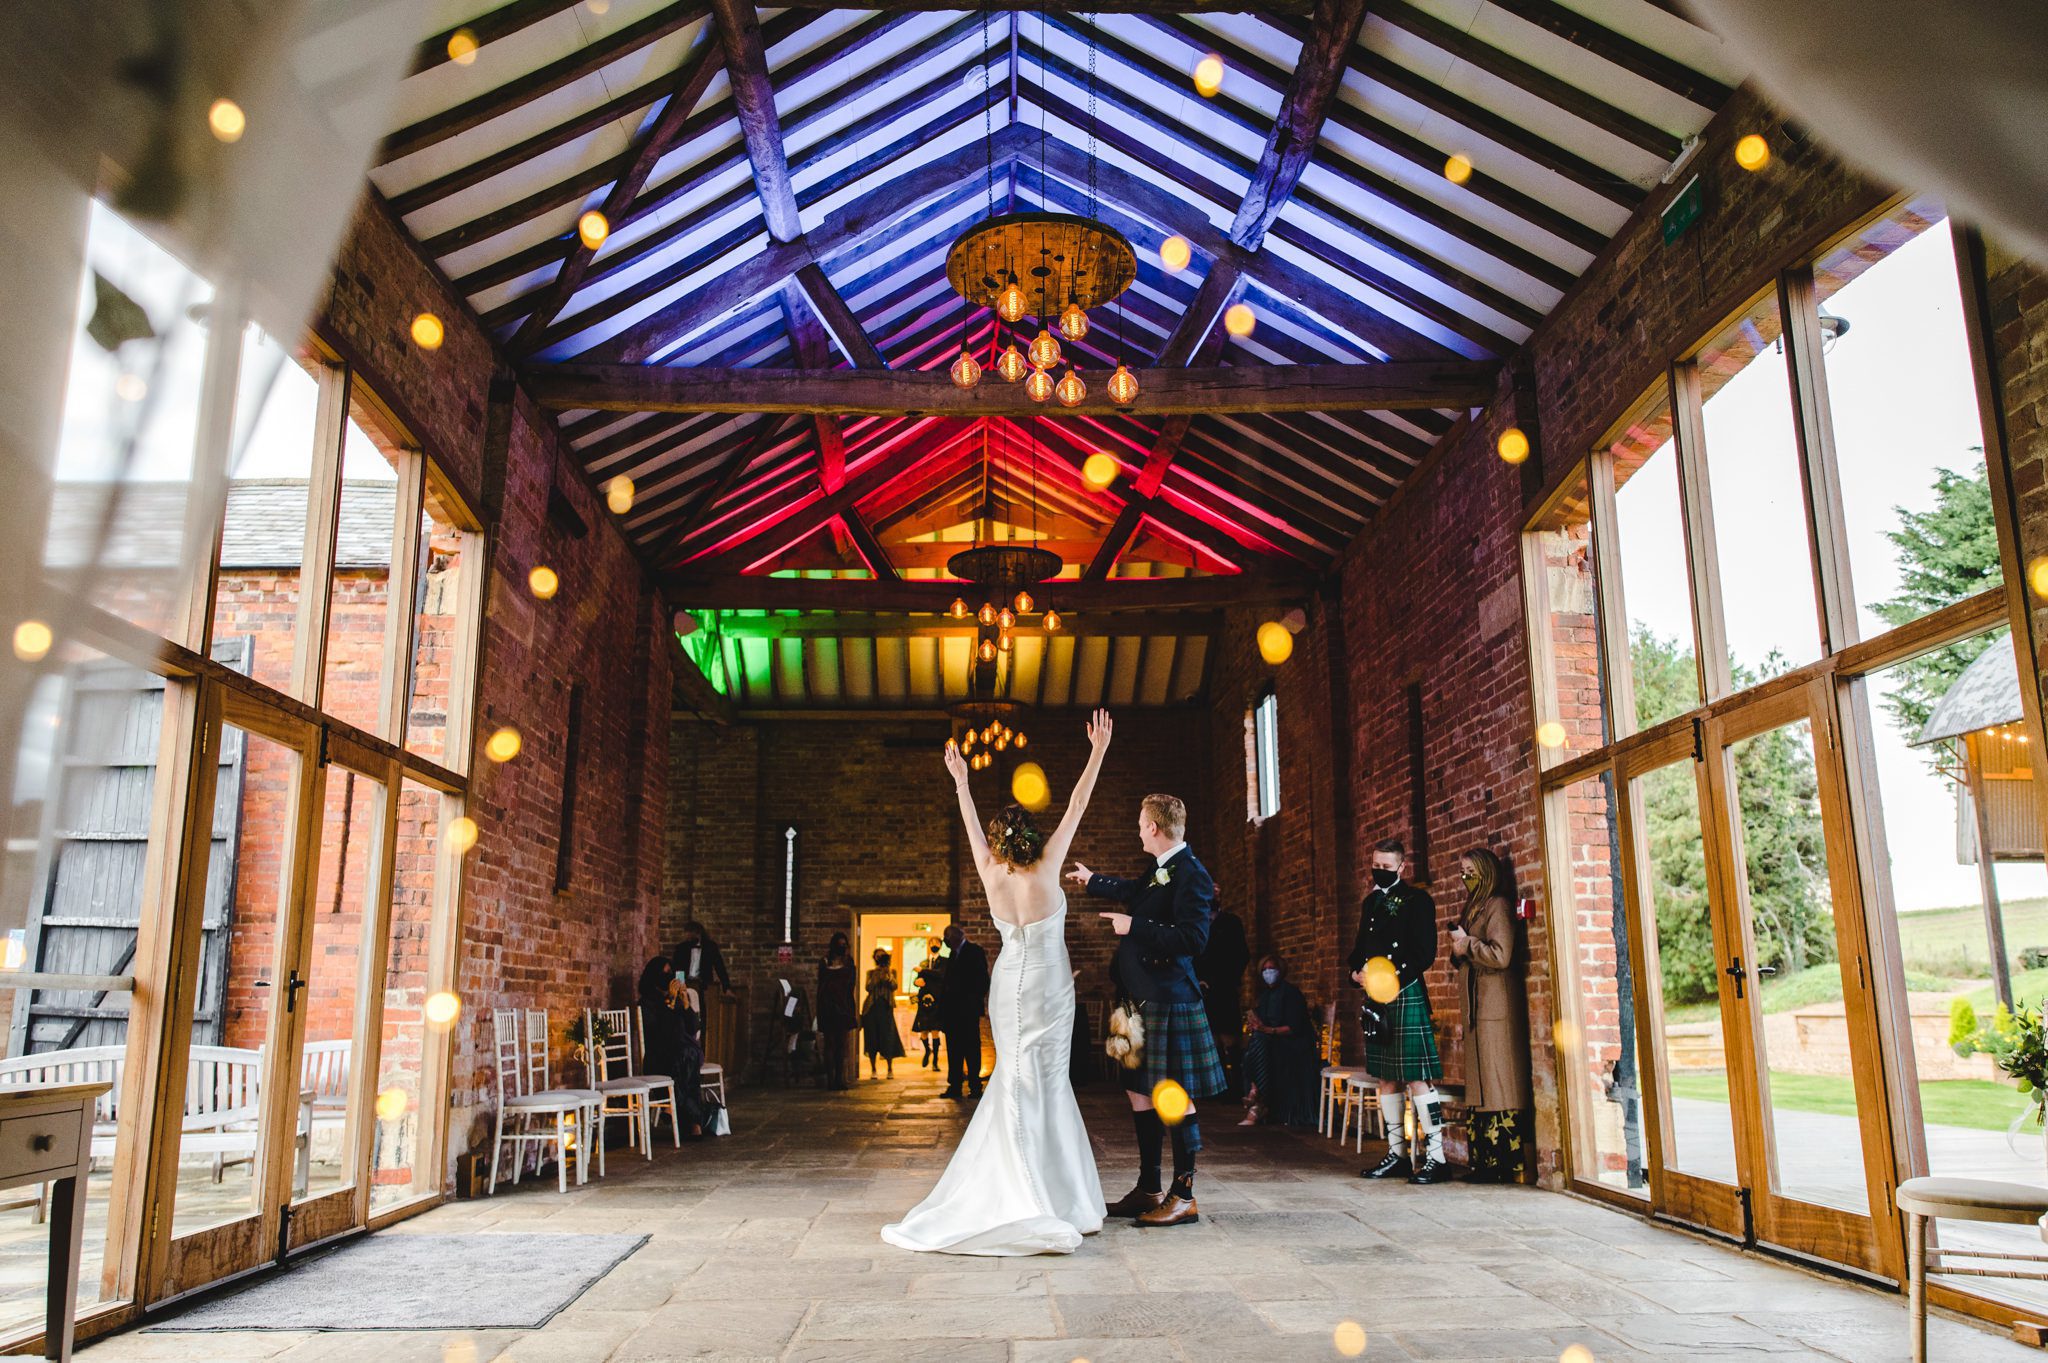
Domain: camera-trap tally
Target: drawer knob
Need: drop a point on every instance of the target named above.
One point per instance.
(42, 1142)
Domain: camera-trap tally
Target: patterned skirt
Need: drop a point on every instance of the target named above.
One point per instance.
(1406, 1050)
(1178, 1046)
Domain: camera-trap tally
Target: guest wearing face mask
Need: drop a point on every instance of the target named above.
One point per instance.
(1484, 946)
(1282, 1067)
(1398, 923)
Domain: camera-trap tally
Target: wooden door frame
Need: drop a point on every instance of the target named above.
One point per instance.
(1691, 1198)
(1781, 1219)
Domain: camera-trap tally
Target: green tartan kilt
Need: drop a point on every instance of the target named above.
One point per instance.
(1406, 1050)
(1178, 1046)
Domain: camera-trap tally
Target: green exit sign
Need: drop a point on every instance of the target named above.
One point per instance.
(1683, 211)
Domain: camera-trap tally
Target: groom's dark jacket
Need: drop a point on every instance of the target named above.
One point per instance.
(1155, 961)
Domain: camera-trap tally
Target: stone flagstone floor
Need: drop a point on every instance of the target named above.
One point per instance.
(764, 1248)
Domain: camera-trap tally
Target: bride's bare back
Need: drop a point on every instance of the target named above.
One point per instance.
(1021, 892)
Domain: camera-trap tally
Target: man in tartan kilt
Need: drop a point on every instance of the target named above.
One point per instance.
(1163, 926)
(1398, 923)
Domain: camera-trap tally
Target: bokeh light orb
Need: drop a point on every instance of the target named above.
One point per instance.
(427, 331)
(1276, 642)
(1752, 152)
(1513, 445)
(1550, 734)
(1382, 980)
(1170, 1101)
(1098, 470)
(1029, 788)
(443, 1008)
(1349, 1337)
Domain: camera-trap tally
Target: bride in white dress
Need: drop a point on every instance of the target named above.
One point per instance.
(1023, 1179)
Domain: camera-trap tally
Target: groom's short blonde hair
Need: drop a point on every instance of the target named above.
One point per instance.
(1167, 812)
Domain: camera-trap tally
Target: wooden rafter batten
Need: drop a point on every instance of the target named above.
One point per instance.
(487, 28)
(1636, 58)
(838, 320)
(695, 504)
(807, 333)
(535, 84)
(1015, 7)
(1581, 104)
(1161, 392)
(1317, 73)
(706, 591)
(692, 78)
(887, 204)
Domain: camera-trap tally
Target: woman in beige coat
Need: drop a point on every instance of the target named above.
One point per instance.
(1486, 946)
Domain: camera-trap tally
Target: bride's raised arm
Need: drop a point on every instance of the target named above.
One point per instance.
(1099, 728)
(976, 838)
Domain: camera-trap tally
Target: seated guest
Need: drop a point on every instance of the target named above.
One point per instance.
(671, 1038)
(1282, 1063)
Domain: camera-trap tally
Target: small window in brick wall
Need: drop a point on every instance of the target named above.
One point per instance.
(564, 842)
(1264, 755)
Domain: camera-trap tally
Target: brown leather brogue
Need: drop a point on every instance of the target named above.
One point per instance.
(1136, 1202)
(1171, 1211)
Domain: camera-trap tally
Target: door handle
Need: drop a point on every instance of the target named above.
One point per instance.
(292, 987)
(1764, 972)
(1735, 973)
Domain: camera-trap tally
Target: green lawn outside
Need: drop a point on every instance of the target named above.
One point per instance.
(1976, 1103)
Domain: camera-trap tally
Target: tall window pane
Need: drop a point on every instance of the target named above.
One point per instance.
(263, 533)
(79, 832)
(1596, 1038)
(436, 630)
(359, 602)
(1953, 799)
(1655, 588)
(125, 460)
(1571, 718)
(1906, 425)
(396, 1172)
(1766, 566)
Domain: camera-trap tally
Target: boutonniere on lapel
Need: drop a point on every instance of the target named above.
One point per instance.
(1162, 876)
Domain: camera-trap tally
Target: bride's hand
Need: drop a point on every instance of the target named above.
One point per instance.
(955, 763)
(1080, 875)
(1099, 727)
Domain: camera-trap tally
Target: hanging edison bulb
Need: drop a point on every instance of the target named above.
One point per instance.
(967, 741)
(958, 610)
(1006, 617)
(1052, 619)
(1025, 605)
(1073, 322)
(987, 651)
(987, 614)
(988, 735)
(1011, 364)
(1039, 386)
(1003, 643)
(1070, 390)
(1045, 349)
(1123, 386)
(1010, 302)
(1002, 743)
(1020, 741)
(966, 373)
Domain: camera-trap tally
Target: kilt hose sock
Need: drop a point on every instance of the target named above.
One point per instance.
(1151, 1140)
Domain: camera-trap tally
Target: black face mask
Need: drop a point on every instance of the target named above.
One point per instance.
(1383, 878)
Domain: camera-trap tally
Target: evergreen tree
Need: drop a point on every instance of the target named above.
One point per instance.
(1945, 554)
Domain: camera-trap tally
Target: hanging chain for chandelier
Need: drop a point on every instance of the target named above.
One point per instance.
(1081, 263)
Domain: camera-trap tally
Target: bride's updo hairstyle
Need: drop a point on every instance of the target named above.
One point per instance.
(1014, 839)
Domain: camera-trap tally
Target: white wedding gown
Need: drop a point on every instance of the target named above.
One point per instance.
(1023, 1179)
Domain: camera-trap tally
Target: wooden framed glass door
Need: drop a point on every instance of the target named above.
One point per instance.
(223, 1170)
(1804, 1082)
(1666, 878)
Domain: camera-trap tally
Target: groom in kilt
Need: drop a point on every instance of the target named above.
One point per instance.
(1397, 924)
(1162, 927)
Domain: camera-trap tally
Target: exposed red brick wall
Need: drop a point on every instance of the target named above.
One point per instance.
(879, 829)
(522, 943)
(1456, 528)
(2016, 294)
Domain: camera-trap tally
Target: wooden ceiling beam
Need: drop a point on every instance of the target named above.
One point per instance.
(701, 591)
(838, 319)
(1161, 392)
(1318, 71)
(904, 625)
(753, 97)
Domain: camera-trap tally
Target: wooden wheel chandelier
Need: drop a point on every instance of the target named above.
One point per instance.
(1052, 267)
